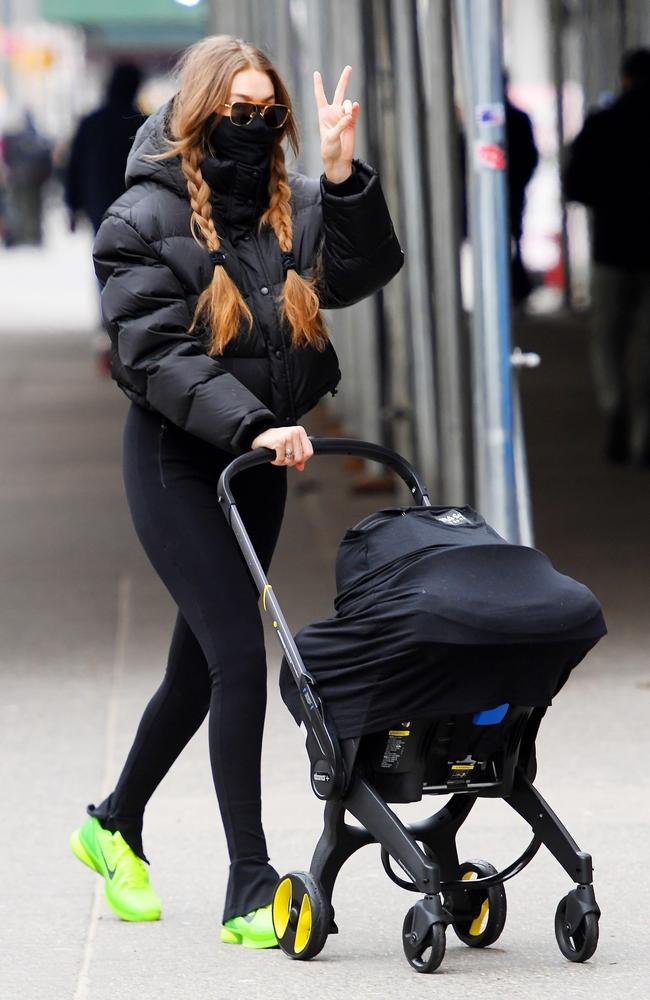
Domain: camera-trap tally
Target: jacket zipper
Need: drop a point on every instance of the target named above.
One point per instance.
(269, 284)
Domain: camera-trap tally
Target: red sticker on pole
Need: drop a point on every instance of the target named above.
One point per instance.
(490, 155)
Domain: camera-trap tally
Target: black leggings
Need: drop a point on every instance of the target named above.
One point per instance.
(217, 660)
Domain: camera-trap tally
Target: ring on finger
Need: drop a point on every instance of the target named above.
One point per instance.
(288, 453)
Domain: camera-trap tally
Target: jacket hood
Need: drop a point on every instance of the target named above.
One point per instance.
(150, 140)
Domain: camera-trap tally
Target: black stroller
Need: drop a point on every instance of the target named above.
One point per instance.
(391, 748)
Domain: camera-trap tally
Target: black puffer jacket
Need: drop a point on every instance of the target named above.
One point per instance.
(152, 272)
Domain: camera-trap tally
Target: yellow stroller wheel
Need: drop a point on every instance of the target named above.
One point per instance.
(301, 915)
(488, 907)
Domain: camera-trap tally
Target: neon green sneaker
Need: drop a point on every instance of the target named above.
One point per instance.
(127, 885)
(255, 930)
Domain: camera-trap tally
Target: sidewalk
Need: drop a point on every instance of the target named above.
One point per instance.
(85, 626)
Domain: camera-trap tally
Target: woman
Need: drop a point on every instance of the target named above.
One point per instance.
(214, 267)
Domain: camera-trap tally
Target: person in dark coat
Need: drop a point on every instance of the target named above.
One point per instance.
(27, 159)
(215, 266)
(522, 160)
(607, 170)
(94, 176)
(522, 163)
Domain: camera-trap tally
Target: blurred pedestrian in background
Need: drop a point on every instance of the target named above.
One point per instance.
(27, 158)
(94, 177)
(521, 165)
(521, 162)
(608, 169)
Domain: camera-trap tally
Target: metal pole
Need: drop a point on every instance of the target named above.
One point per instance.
(451, 347)
(524, 506)
(414, 184)
(371, 25)
(480, 37)
(396, 305)
(558, 21)
(358, 324)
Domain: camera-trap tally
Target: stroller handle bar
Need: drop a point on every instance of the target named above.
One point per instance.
(330, 446)
(326, 756)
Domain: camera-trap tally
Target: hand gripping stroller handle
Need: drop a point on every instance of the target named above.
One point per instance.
(330, 446)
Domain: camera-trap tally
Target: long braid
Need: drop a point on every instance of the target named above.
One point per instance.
(300, 304)
(278, 214)
(201, 223)
(221, 303)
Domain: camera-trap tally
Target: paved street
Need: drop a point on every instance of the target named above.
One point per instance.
(85, 625)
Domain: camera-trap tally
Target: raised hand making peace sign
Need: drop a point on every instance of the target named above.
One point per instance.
(337, 123)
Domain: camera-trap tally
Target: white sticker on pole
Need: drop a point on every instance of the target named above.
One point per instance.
(489, 156)
(490, 114)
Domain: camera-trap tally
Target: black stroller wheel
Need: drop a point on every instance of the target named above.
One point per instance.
(301, 915)
(427, 954)
(580, 945)
(488, 907)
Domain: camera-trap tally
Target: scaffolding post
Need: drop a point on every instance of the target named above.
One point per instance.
(558, 25)
(452, 355)
(480, 37)
(417, 237)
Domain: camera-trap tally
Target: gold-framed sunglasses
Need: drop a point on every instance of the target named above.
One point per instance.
(243, 113)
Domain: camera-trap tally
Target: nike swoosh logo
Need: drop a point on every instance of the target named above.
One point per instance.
(109, 871)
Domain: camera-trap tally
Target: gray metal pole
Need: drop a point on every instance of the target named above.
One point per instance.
(451, 347)
(480, 37)
(558, 23)
(417, 239)
(396, 305)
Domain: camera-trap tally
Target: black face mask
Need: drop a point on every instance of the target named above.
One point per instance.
(250, 144)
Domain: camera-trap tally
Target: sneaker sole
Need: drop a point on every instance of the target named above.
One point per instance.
(132, 918)
(232, 937)
(79, 850)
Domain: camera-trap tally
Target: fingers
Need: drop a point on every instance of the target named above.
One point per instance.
(319, 93)
(296, 444)
(290, 444)
(339, 93)
(347, 119)
(293, 448)
(344, 78)
(307, 447)
(340, 127)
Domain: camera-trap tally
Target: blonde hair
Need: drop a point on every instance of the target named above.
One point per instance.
(206, 71)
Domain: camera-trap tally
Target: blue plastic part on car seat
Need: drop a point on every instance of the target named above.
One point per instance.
(490, 716)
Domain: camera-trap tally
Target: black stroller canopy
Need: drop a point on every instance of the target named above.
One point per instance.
(435, 614)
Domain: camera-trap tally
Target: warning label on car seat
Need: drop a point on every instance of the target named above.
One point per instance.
(395, 746)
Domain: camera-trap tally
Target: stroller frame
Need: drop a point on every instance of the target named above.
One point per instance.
(470, 896)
